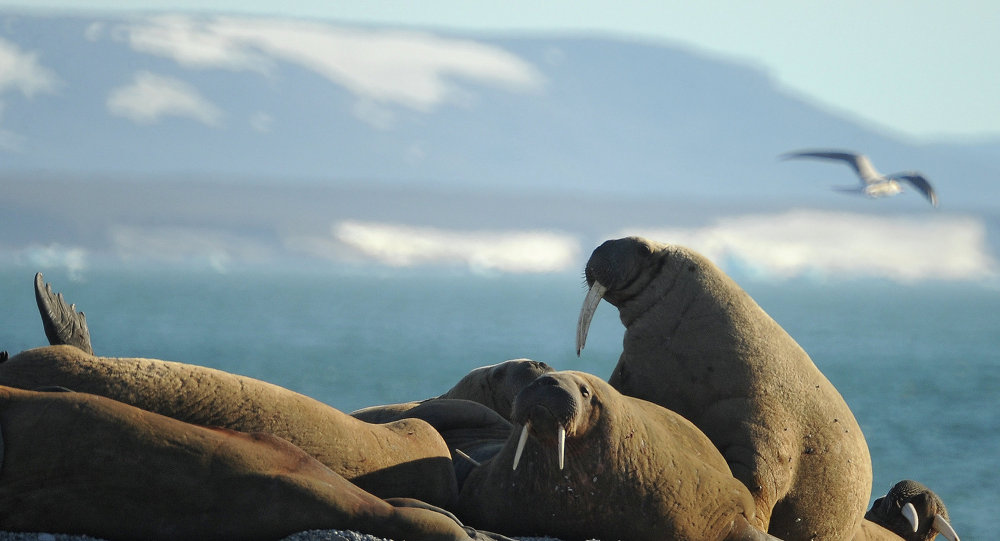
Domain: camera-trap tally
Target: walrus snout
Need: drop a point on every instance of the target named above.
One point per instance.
(544, 423)
(546, 409)
(546, 401)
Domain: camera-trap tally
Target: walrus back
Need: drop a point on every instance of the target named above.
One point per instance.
(406, 458)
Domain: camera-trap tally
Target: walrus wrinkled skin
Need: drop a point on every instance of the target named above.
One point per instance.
(493, 386)
(909, 511)
(407, 458)
(474, 432)
(82, 464)
(632, 470)
(697, 344)
(473, 416)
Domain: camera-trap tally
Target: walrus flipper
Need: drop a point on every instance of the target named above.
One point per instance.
(474, 534)
(63, 324)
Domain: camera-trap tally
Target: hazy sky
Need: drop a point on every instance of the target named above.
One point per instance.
(922, 68)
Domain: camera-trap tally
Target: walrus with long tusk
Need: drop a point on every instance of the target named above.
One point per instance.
(909, 511)
(77, 463)
(406, 458)
(697, 344)
(588, 462)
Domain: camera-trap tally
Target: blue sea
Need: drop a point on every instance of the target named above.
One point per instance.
(918, 363)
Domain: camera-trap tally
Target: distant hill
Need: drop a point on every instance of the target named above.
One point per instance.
(280, 100)
(227, 142)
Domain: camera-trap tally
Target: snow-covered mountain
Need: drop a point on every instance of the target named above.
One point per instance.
(286, 99)
(118, 133)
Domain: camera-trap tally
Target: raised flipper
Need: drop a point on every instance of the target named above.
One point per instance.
(63, 324)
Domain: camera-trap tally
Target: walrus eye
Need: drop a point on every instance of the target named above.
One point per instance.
(584, 391)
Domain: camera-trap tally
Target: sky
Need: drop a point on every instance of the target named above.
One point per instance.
(922, 69)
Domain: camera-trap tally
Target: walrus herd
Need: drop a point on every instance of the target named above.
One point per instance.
(714, 425)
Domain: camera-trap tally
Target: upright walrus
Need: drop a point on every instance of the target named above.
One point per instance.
(406, 458)
(697, 344)
(590, 463)
(77, 463)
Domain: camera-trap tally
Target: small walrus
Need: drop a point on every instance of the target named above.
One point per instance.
(909, 511)
(589, 462)
(493, 386)
(697, 344)
(406, 458)
(76, 463)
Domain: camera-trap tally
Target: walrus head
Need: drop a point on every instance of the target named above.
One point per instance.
(913, 512)
(614, 272)
(495, 386)
(553, 407)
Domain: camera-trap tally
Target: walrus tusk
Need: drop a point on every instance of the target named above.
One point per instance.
(462, 454)
(945, 529)
(562, 447)
(910, 513)
(594, 296)
(520, 444)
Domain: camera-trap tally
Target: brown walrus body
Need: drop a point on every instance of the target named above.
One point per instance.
(83, 464)
(407, 458)
(473, 416)
(697, 344)
(633, 470)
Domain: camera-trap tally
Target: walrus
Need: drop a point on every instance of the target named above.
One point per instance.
(77, 463)
(406, 458)
(697, 344)
(473, 416)
(588, 462)
(493, 386)
(909, 511)
(473, 431)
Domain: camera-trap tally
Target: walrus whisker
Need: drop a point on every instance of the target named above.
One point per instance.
(944, 528)
(590, 302)
(520, 443)
(562, 446)
(462, 454)
(910, 513)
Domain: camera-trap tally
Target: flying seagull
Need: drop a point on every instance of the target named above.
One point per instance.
(873, 183)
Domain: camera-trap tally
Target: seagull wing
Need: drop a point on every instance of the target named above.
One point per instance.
(859, 162)
(919, 182)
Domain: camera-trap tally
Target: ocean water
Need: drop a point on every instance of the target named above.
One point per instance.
(917, 363)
